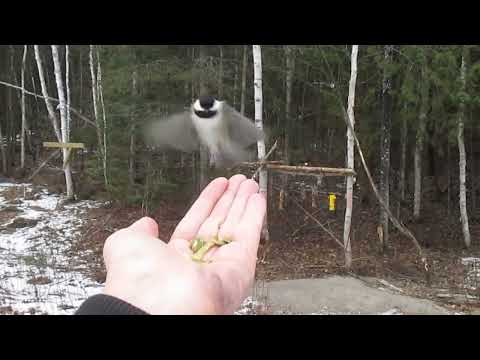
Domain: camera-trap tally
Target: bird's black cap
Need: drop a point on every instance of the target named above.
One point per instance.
(206, 101)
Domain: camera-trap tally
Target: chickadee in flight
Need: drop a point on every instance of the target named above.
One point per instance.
(214, 124)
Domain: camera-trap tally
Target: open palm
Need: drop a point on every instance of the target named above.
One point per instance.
(161, 278)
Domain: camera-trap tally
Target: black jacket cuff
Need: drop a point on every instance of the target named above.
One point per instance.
(107, 305)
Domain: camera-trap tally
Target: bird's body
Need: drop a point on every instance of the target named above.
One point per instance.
(214, 124)
(210, 129)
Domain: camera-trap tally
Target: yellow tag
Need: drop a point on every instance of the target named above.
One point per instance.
(331, 202)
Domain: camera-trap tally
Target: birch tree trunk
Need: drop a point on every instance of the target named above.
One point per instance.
(350, 159)
(244, 81)
(24, 119)
(461, 150)
(425, 89)
(3, 151)
(258, 96)
(385, 142)
(95, 111)
(63, 120)
(51, 112)
(104, 116)
(67, 86)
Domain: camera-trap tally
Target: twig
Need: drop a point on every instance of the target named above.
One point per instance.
(319, 224)
(50, 157)
(75, 111)
(306, 223)
(262, 161)
(256, 163)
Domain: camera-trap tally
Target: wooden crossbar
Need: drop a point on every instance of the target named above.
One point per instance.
(64, 145)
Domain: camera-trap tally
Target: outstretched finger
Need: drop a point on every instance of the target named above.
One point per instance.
(210, 227)
(247, 189)
(250, 227)
(188, 227)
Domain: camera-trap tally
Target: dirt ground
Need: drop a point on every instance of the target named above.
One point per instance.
(300, 249)
(307, 252)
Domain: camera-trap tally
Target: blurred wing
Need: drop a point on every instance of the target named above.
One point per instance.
(175, 131)
(241, 129)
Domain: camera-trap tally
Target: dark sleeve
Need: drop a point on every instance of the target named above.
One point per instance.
(107, 305)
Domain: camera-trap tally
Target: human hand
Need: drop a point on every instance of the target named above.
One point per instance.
(161, 278)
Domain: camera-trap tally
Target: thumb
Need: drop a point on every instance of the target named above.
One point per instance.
(145, 226)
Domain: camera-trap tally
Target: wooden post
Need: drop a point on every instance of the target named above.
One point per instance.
(68, 146)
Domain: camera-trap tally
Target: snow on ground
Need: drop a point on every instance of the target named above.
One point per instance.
(472, 279)
(37, 276)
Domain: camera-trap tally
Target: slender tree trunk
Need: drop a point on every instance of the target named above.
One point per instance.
(63, 121)
(258, 97)
(131, 162)
(193, 79)
(425, 86)
(461, 149)
(80, 97)
(403, 161)
(220, 75)
(305, 136)
(289, 61)
(35, 91)
(95, 97)
(235, 80)
(24, 119)
(3, 151)
(203, 177)
(11, 133)
(385, 142)
(243, 94)
(104, 116)
(473, 186)
(194, 155)
(449, 186)
(350, 159)
(50, 110)
(67, 86)
(289, 57)
(330, 135)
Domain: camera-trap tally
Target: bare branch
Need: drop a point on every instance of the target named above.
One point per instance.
(84, 118)
(319, 223)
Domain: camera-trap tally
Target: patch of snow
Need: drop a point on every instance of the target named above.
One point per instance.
(472, 278)
(394, 311)
(248, 307)
(36, 274)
